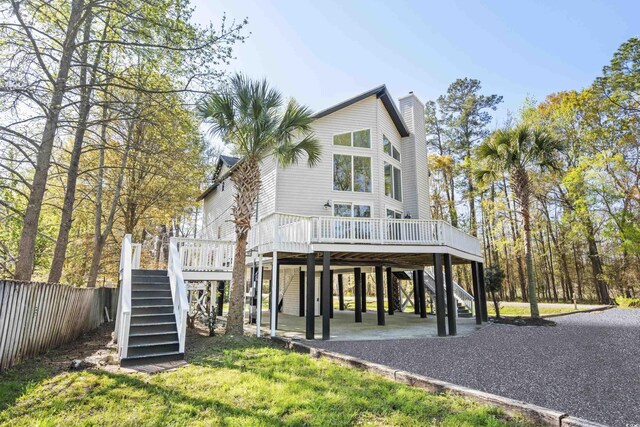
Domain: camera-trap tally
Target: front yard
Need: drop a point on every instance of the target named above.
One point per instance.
(229, 381)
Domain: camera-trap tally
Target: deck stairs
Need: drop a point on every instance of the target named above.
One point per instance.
(464, 300)
(153, 334)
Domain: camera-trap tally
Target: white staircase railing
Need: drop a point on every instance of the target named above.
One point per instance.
(459, 293)
(123, 316)
(178, 292)
(205, 254)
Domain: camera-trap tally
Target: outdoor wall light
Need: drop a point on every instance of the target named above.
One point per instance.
(407, 216)
(327, 205)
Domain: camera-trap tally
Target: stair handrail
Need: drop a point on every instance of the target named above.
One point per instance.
(458, 291)
(178, 292)
(123, 316)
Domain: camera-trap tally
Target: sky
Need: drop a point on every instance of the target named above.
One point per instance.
(323, 52)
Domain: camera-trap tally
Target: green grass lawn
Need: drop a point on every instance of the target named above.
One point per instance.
(236, 382)
(524, 311)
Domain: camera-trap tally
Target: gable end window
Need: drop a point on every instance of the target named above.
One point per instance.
(359, 139)
(351, 173)
(389, 148)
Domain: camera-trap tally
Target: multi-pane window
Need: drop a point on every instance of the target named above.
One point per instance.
(392, 181)
(351, 210)
(359, 138)
(351, 173)
(389, 148)
(393, 214)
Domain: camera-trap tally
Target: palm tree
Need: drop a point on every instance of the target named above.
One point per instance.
(517, 152)
(255, 121)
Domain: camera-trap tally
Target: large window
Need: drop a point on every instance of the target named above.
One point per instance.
(349, 229)
(351, 210)
(359, 138)
(351, 173)
(392, 181)
(389, 148)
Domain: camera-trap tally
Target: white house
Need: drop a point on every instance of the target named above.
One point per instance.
(366, 204)
(363, 209)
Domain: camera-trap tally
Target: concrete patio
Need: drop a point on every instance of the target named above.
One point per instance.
(344, 328)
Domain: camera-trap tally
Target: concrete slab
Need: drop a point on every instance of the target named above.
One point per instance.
(344, 328)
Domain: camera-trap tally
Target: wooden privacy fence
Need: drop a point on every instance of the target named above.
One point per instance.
(36, 317)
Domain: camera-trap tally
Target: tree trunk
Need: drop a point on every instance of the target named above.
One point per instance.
(246, 178)
(66, 217)
(522, 190)
(596, 265)
(26, 249)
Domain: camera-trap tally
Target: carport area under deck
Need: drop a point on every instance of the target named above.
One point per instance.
(406, 325)
(377, 322)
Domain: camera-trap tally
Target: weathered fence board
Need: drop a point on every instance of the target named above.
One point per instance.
(36, 317)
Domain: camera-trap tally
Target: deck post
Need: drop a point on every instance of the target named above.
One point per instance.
(326, 295)
(311, 295)
(452, 308)
(421, 294)
(357, 291)
(259, 297)
(380, 295)
(321, 291)
(331, 294)
(364, 292)
(476, 292)
(301, 293)
(220, 302)
(390, 291)
(483, 293)
(274, 293)
(340, 293)
(416, 302)
(440, 306)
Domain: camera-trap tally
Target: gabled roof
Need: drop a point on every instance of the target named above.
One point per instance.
(381, 93)
(227, 161)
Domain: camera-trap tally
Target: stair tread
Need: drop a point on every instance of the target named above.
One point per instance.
(155, 324)
(152, 334)
(144, 356)
(151, 314)
(153, 344)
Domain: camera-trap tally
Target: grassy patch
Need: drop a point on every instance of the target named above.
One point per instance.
(524, 311)
(232, 381)
(628, 302)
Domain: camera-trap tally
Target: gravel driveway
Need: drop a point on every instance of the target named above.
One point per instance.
(588, 365)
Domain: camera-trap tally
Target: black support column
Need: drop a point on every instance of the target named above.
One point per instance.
(421, 293)
(326, 295)
(277, 293)
(440, 306)
(390, 291)
(380, 295)
(220, 302)
(340, 293)
(301, 286)
(476, 292)
(321, 291)
(311, 295)
(483, 293)
(416, 302)
(364, 291)
(331, 294)
(357, 287)
(451, 299)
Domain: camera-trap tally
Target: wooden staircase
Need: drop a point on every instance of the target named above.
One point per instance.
(153, 333)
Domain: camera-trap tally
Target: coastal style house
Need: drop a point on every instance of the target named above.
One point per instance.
(363, 209)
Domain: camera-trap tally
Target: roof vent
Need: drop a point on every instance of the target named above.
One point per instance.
(411, 92)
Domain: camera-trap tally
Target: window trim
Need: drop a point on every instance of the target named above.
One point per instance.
(351, 133)
(393, 147)
(353, 187)
(393, 186)
(352, 204)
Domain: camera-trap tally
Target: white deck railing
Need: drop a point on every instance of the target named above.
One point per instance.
(297, 233)
(178, 292)
(123, 316)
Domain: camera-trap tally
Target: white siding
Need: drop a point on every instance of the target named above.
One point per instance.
(414, 148)
(290, 278)
(217, 205)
